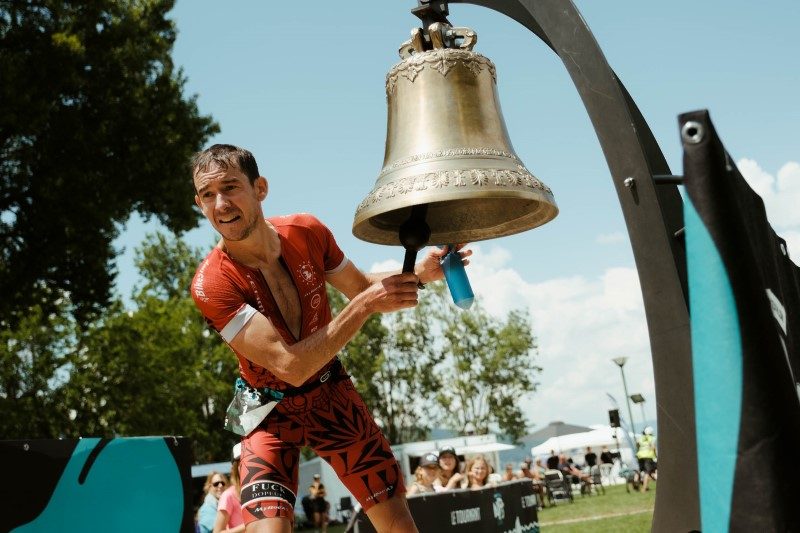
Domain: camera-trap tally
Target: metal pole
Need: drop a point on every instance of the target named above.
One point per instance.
(653, 215)
(627, 398)
(643, 418)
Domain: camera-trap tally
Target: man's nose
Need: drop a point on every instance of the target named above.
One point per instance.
(221, 201)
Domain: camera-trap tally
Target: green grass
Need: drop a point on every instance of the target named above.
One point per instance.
(616, 510)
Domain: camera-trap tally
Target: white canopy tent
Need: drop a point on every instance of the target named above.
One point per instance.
(575, 444)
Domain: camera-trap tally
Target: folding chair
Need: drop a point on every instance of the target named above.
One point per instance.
(344, 509)
(596, 480)
(558, 488)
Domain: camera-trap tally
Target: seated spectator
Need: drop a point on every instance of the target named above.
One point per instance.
(509, 474)
(319, 505)
(477, 472)
(538, 481)
(571, 472)
(552, 461)
(426, 474)
(538, 469)
(450, 476)
(525, 472)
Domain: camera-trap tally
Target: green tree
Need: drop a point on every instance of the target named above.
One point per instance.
(34, 364)
(94, 126)
(392, 361)
(490, 366)
(157, 369)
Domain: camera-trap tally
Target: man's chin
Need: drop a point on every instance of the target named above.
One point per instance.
(233, 234)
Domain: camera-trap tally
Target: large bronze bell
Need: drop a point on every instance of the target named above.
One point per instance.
(448, 155)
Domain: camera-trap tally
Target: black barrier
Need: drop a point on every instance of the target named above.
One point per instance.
(745, 313)
(508, 507)
(121, 485)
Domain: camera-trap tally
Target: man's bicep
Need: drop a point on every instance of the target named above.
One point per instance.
(350, 280)
(258, 341)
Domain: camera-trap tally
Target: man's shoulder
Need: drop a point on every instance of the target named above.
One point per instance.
(212, 262)
(306, 220)
(214, 273)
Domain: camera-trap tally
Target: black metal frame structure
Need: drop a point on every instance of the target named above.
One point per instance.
(652, 208)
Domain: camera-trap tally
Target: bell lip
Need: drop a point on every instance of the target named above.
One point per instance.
(362, 230)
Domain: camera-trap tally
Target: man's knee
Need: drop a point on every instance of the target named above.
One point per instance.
(392, 516)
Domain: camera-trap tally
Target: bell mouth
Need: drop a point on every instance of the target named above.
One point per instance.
(460, 219)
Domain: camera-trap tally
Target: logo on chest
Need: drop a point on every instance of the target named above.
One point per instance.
(306, 273)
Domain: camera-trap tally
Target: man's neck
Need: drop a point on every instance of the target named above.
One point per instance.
(260, 249)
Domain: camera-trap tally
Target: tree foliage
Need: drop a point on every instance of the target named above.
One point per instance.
(34, 362)
(440, 366)
(490, 367)
(393, 362)
(158, 369)
(93, 127)
(155, 370)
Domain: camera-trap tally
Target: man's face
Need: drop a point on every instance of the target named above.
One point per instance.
(229, 201)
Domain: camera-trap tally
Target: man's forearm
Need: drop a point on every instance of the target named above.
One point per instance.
(306, 357)
(375, 277)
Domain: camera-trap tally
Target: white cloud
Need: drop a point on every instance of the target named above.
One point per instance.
(615, 237)
(386, 266)
(781, 197)
(580, 324)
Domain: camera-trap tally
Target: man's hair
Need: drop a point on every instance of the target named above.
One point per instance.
(226, 156)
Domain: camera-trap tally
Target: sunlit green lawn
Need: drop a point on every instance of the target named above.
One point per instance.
(634, 512)
(616, 511)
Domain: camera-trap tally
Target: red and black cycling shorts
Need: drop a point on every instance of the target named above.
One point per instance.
(333, 420)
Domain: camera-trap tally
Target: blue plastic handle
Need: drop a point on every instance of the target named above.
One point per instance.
(456, 278)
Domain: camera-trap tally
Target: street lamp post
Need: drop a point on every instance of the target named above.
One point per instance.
(638, 398)
(620, 362)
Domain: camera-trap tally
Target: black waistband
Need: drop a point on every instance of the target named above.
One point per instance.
(334, 373)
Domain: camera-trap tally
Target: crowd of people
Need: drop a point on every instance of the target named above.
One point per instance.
(442, 472)
(435, 473)
(221, 511)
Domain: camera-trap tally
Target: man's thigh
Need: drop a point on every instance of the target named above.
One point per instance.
(343, 433)
(268, 472)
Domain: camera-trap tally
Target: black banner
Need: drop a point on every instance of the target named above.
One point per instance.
(508, 507)
(744, 295)
(122, 485)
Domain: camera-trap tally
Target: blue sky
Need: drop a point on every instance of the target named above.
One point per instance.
(302, 86)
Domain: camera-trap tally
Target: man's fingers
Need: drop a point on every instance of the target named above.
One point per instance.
(401, 280)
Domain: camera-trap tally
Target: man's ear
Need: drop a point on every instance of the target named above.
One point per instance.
(262, 188)
(197, 202)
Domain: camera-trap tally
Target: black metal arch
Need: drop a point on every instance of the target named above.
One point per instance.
(654, 218)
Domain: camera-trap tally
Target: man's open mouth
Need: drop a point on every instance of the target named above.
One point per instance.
(228, 221)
